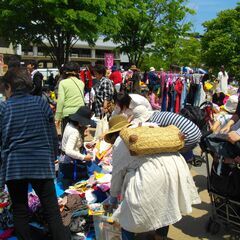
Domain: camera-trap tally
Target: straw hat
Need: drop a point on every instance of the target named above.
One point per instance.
(231, 104)
(116, 124)
(141, 114)
(133, 67)
(152, 69)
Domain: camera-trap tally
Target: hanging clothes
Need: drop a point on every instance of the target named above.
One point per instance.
(162, 77)
(178, 89)
(184, 94)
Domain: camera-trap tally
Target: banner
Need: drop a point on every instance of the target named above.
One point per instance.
(109, 60)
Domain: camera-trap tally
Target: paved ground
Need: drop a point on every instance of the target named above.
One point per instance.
(194, 225)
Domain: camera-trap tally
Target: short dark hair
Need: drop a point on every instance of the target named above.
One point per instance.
(18, 78)
(71, 67)
(14, 62)
(34, 63)
(100, 69)
(123, 100)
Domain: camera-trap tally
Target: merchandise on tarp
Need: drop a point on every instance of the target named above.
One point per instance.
(105, 229)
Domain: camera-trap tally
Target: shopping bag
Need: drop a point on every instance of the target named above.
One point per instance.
(102, 128)
(145, 140)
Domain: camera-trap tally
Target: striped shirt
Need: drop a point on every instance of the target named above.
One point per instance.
(188, 128)
(28, 139)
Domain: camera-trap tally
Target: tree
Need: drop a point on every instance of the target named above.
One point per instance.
(58, 23)
(174, 30)
(221, 40)
(142, 22)
(186, 52)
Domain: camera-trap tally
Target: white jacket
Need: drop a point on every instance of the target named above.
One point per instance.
(72, 142)
(156, 189)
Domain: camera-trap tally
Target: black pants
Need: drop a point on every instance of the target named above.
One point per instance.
(162, 232)
(45, 189)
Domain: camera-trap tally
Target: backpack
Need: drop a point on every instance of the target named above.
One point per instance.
(196, 115)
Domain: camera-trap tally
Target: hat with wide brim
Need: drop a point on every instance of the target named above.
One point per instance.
(133, 67)
(152, 69)
(82, 116)
(231, 104)
(116, 124)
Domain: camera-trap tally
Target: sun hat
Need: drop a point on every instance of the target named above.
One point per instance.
(116, 124)
(141, 114)
(82, 116)
(152, 69)
(231, 104)
(133, 67)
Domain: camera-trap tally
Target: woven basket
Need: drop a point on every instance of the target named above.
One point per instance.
(147, 140)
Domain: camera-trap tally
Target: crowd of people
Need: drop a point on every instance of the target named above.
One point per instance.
(155, 190)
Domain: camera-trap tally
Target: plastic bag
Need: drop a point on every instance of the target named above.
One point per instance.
(102, 128)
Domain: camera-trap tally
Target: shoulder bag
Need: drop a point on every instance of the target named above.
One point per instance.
(79, 91)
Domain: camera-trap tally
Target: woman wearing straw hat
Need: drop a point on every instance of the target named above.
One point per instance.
(136, 78)
(155, 189)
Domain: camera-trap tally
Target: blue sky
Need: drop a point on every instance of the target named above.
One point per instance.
(208, 9)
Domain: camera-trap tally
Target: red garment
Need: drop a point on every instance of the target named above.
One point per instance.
(3, 205)
(116, 77)
(6, 234)
(86, 74)
(178, 89)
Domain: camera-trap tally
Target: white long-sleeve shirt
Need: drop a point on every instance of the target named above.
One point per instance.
(72, 142)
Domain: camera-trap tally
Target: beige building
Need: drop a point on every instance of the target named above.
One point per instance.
(81, 53)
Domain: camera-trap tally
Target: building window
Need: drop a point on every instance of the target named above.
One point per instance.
(101, 53)
(42, 51)
(27, 50)
(83, 52)
(4, 43)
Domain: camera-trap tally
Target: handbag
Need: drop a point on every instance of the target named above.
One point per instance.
(145, 140)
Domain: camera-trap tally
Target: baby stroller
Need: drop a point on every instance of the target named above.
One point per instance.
(203, 117)
(223, 181)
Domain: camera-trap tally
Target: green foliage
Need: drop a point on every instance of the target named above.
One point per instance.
(221, 40)
(186, 52)
(145, 25)
(61, 22)
(174, 29)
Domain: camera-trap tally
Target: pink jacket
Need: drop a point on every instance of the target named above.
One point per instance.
(155, 105)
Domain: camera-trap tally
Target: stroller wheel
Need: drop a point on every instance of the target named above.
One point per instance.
(197, 161)
(213, 227)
